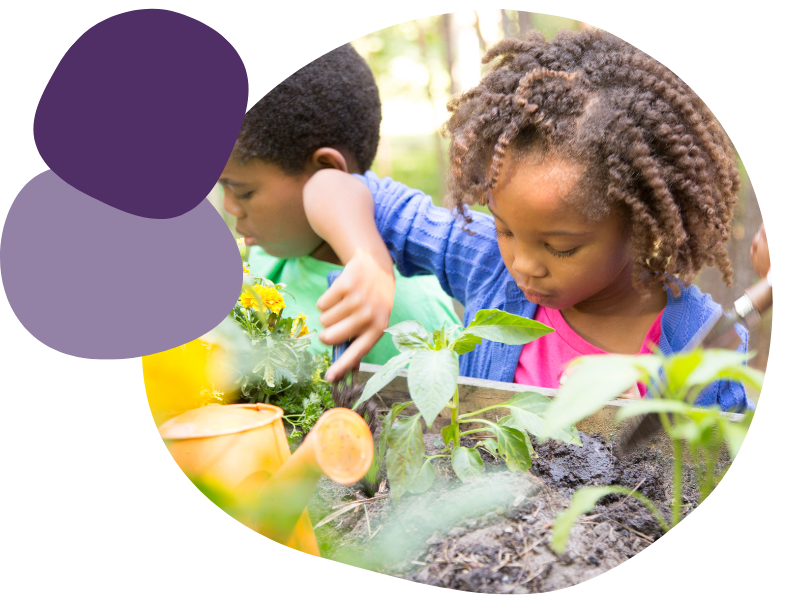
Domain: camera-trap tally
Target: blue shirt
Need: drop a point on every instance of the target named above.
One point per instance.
(423, 238)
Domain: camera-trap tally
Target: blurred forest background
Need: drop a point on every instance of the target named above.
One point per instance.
(421, 64)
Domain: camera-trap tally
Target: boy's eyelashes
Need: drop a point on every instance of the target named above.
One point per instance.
(548, 247)
(245, 196)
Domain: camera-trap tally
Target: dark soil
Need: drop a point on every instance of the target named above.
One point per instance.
(492, 534)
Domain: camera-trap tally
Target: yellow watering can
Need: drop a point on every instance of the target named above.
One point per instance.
(243, 448)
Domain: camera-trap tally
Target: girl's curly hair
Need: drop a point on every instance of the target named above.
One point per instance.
(651, 147)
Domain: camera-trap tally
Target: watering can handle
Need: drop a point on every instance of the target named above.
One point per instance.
(338, 349)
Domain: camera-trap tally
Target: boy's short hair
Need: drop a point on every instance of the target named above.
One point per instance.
(331, 102)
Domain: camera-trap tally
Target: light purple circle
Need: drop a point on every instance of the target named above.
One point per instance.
(94, 282)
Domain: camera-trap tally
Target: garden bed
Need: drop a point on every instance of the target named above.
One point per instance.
(492, 534)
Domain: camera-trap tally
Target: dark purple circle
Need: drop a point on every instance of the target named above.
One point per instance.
(143, 111)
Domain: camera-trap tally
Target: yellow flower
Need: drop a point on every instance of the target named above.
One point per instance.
(301, 319)
(271, 298)
(245, 269)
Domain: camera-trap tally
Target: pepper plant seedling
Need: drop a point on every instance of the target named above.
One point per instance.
(432, 361)
(675, 382)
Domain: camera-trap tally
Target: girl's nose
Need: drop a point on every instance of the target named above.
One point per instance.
(529, 265)
(231, 206)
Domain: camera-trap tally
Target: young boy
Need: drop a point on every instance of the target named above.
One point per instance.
(325, 116)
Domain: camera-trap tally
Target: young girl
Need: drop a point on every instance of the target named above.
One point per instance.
(610, 184)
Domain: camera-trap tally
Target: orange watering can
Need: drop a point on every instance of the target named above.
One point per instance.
(243, 449)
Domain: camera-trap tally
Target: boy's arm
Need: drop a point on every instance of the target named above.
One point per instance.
(357, 306)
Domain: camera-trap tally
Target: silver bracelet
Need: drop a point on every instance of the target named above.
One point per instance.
(745, 309)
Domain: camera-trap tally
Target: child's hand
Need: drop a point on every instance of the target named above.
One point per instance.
(632, 393)
(357, 306)
(759, 253)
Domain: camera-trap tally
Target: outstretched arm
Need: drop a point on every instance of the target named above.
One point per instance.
(340, 209)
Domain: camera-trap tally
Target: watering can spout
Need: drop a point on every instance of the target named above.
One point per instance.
(339, 446)
(243, 449)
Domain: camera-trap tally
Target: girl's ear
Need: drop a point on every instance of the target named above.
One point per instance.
(328, 158)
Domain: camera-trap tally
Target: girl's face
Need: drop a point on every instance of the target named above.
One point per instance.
(558, 258)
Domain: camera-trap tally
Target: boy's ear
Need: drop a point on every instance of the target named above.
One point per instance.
(328, 158)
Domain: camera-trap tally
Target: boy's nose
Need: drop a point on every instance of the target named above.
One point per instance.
(231, 207)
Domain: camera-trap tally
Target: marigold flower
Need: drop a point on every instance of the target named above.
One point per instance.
(301, 319)
(270, 297)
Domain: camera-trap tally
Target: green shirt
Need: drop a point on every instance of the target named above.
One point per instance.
(415, 298)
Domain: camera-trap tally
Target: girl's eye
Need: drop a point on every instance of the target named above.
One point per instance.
(560, 254)
(503, 233)
(245, 196)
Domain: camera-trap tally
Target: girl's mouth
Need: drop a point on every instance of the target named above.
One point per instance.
(536, 297)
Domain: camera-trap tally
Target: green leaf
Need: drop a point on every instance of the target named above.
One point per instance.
(687, 430)
(734, 433)
(508, 421)
(718, 364)
(527, 413)
(500, 326)
(530, 401)
(383, 438)
(491, 445)
(439, 339)
(467, 463)
(432, 380)
(452, 332)
(512, 447)
(448, 434)
(677, 369)
(466, 343)
(583, 502)
(405, 454)
(410, 335)
(387, 373)
(424, 480)
(597, 380)
(642, 407)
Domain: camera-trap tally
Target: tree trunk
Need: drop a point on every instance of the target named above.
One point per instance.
(447, 35)
(506, 24)
(481, 40)
(440, 157)
(524, 19)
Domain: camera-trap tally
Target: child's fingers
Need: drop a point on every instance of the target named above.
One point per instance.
(332, 296)
(348, 328)
(351, 357)
(348, 305)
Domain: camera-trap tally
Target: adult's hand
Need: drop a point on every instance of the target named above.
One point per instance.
(759, 253)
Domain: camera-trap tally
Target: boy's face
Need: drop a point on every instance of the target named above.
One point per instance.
(268, 206)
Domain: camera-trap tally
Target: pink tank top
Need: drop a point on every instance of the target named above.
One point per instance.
(543, 361)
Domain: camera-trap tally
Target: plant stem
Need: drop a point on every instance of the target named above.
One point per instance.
(475, 431)
(454, 421)
(477, 412)
(477, 421)
(677, 481)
